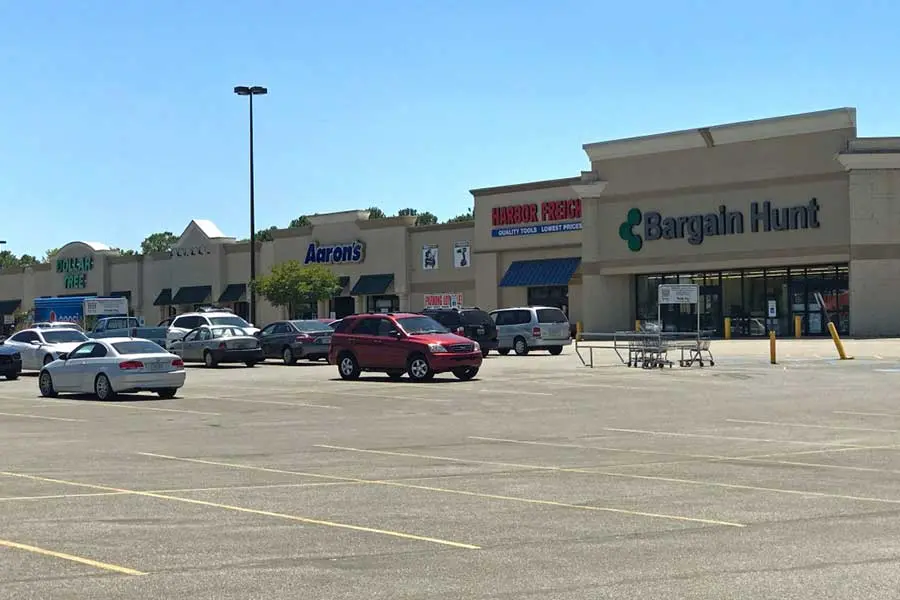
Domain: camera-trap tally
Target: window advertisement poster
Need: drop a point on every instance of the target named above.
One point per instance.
(443, 300)
(429, 257)
(462, 255)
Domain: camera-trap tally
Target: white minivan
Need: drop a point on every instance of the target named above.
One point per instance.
(531, 328)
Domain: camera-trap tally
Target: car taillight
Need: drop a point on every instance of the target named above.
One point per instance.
(177, 363)
(536, 332)
(130, 365)
(302, 338)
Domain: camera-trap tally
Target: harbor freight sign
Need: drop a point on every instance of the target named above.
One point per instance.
(351, 252)
(642, 227)
(553, 216)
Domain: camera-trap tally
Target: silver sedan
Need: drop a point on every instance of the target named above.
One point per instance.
(111, 366)
(39, 347)
(219, 344)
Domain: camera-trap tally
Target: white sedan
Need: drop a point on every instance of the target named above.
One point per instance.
(40, 347)
(111, 366)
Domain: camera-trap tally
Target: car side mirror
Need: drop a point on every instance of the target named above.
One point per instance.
(63, 356)
(35, 343)
(396, 335)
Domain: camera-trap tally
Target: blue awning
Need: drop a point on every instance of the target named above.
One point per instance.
(546, 271)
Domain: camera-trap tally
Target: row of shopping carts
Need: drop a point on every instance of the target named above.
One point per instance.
(651, 348)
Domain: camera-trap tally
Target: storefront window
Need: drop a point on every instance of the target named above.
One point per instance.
(778, 314)
(342, 306)
(382, 304)
(556, 296)
(647, 296)
(843, 299)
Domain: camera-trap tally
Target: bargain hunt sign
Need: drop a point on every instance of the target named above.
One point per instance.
(443, 300)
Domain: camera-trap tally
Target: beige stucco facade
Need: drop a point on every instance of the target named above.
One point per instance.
(690, 201)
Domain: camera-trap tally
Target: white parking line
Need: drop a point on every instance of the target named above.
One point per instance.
(275, 402)
(728, 437)
(865, 414)
(809, 426)
(24, 416)
(51, 402)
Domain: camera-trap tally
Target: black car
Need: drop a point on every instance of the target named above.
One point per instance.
(10, 362)
(472, 323)
(290, 340)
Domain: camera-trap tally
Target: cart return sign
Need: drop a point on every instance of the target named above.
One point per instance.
(553, 216)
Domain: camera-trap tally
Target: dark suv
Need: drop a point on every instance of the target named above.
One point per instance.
(472, 323)
(398, 343)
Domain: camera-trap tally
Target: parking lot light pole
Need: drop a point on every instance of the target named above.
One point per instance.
(250, 91)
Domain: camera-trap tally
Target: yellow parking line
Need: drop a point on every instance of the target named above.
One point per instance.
(696, 482)
(5, 414)
(447, 490)
(241, 509)
(78, 559)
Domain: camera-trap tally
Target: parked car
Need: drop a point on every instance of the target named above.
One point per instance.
(57, 324)
(179, 326)
(398, 343)
(219, 344)
(10, 362)
(531, 328)
(39, 347)
(290, 340)
(112, 366)
(127, 327)
(472, 323)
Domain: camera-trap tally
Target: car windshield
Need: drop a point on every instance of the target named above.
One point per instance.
(220, 332)
(475, 317)
(551, 315)
(422, 324)
(231, 320)
(138, 347)
(63, 336)
(311, 326)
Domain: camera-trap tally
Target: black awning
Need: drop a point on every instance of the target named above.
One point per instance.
(124, 294)
(233, 292)
(164, 298)
(192, 294)
(8, 307)
(372, 285)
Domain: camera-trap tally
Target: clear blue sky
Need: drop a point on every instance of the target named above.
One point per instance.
(118, 118)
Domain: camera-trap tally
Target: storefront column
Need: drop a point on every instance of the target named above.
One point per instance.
(322, 309)
(874, 252)
(359, 303)
(486, 280)
(404, 302)
(607, 302)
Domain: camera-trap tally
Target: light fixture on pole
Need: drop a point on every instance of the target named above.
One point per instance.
(250, 91)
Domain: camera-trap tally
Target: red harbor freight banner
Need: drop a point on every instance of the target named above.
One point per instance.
(527, 219)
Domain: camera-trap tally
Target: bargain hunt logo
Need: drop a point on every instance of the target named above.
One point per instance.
(626, 230)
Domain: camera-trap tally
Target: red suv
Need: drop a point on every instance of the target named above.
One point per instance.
(400, 343)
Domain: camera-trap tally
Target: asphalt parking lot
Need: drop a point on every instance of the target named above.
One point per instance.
(539, 479)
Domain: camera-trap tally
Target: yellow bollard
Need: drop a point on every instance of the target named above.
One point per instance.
(772, 347)
(637, 325)
(727, 328)
(837, 341)
(578, 331)
(798, 326)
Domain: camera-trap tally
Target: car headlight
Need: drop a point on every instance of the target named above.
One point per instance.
(436, 348)
(477, 347)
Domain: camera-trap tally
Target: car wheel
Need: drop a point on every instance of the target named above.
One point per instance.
(167, 393)
(502, 351)
(208, 359)
(45, 384)
(520, 346)
(418, 368)
(485, 352)
(11, 375)
(250, 363)
(555, 350)
(348, 367)
(103, 389)
(287, 356)
(395, 375)
(465, 373)
(47, 360)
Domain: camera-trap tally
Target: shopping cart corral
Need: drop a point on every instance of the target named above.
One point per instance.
(648, 349)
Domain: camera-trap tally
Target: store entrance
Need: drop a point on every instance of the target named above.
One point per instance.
(343, 306)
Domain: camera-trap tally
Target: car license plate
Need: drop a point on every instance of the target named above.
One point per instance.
(156, 366)
(325, 341)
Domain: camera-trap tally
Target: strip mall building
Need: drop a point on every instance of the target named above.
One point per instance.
(777, 218)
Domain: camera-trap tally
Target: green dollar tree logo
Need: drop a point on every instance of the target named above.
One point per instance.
(626, 230)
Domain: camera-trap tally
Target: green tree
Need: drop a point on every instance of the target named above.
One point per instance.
(407, 212)
(49, 254)
(27, 260)
(159, 242)
(301, 221)
(466, 216)
(426, 218)
(375, 213)
(125, 252)
(292, 284)
(265, 235)
(8, 260)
